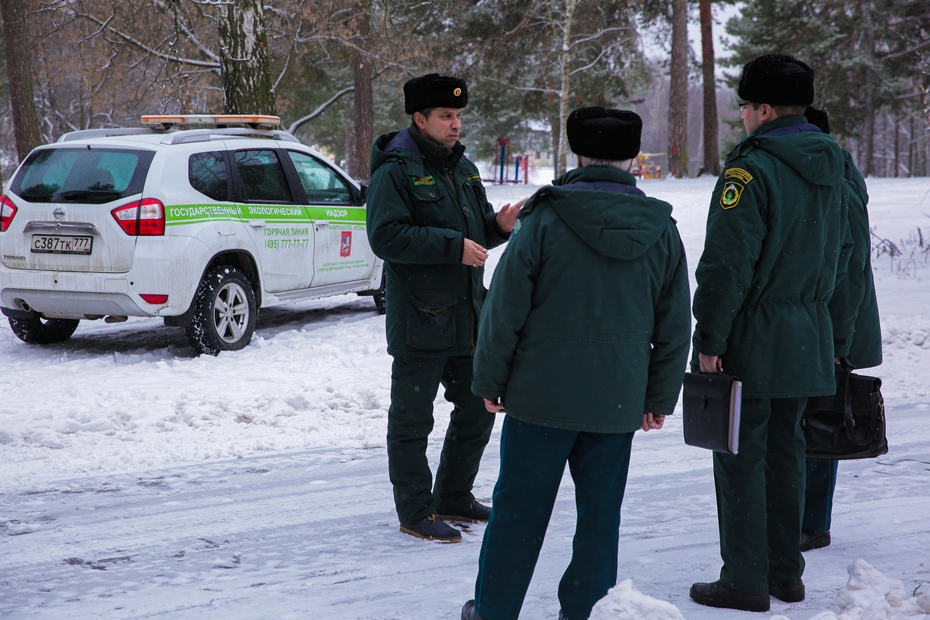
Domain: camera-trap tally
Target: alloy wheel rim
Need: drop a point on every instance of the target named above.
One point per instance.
(230, 313)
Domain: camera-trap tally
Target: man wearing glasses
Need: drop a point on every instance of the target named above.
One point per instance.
(777, 242)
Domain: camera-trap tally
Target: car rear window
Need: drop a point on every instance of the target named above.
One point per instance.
(85, 174)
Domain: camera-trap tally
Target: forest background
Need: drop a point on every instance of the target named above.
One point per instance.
(334, 69)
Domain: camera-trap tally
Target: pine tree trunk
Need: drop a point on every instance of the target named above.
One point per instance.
(711, 142)
(19, 71)
(364, 105)
(244, 61)
(678, 93)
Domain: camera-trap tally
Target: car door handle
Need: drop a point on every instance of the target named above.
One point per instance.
(257, 223)
(61, 227)
(322, 225)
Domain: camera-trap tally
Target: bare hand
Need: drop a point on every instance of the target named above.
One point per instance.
(494, 406)
(652, 421)
(508, 215)
(473, 254)
(710, 363)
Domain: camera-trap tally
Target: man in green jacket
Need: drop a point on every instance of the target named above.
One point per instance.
(777, 242)
(855, 292)
(583, 340)
(429, 219)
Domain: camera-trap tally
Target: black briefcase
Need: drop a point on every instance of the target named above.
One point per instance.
(711, 404)
(849, 424)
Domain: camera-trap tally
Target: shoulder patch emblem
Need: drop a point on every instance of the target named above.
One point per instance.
(424, 181)
(473, 178)
(732, 191)
(516, 228)
(737, 173)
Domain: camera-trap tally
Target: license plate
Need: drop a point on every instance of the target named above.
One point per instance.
(54, 244)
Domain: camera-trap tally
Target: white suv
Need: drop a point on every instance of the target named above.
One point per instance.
(200, 227)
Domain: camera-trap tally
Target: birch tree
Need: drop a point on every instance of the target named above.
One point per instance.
(243, 52)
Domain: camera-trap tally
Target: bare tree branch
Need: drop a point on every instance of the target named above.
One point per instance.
(322, 108)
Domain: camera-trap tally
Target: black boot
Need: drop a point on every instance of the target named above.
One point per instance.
(789, 591)
(469, 613)
(432, 528)
(475, 512)
(814, 540)
(718, 595)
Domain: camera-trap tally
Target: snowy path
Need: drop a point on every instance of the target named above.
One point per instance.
(139, 481)
(311, 534)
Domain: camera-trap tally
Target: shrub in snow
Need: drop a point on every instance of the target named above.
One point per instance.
(625, 602)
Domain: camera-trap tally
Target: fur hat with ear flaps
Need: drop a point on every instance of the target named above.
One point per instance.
(777, 79)
(602, 133)
(434, 91)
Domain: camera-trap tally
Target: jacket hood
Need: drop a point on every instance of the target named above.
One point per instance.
(410, 144)
(619, 224)
(815, 156)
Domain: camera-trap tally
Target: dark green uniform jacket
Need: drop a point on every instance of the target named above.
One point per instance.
(777, 242)
(857, 289)
(586, 325)
(422, 203)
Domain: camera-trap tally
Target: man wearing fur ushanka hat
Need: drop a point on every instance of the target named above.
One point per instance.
(583, 341)
(777, 242)
(429, 219)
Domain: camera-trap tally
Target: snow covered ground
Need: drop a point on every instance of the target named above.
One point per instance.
(139, 481)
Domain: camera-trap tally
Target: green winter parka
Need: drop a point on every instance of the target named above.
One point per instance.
(423, 201)
(586, 325)
(857, 289)
(777, 242)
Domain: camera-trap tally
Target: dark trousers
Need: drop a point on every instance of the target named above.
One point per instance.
(414, 384)
(760, 496)
(532, 463)
(818, 495)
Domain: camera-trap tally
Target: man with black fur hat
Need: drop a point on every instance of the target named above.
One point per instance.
(777, 242)
(429, 219)
(583, 340)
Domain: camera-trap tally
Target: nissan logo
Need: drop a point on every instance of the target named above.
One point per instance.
(59, 213)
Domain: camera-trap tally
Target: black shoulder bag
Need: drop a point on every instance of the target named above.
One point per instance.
(849, 424)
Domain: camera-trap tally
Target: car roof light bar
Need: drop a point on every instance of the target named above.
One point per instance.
(212, 120)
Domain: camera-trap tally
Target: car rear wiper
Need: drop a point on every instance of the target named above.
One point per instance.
(95, 195)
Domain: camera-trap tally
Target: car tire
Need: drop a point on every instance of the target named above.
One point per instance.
(379, 298)
(224, 312)
(38, 330)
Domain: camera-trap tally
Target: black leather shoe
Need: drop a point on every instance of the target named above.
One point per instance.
(814, 540)
(432, 528)
(475, 512)
(718, 595)
(469, 613)
(789, 591)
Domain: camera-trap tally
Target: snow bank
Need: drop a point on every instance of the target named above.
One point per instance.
(625, 602)
(869, 595)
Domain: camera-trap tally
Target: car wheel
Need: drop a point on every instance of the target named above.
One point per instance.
(39, 330)
(380, 302)
(224, 312)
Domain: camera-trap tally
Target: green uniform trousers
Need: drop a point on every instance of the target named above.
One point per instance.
(414, 384)
(532, 463)
(760, 496)
(818, 495)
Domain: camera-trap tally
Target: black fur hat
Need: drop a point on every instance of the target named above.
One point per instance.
(601, 133)
(818, 118)
(777, 79)
(434, 91)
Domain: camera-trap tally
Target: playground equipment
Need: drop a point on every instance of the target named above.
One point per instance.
(645, 168)
(521, 162)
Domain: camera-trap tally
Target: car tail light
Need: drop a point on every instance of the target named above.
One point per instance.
(7, 211)
(154, 299)
(143, 218)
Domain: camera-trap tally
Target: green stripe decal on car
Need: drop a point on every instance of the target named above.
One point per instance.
(199, 214)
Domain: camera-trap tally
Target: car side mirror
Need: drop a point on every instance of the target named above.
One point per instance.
(362, 195)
